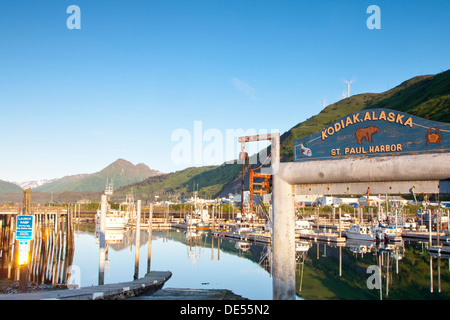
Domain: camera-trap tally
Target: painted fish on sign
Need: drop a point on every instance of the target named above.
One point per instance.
(374, 132)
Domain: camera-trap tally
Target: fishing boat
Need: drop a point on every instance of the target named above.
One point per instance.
(360, 232)
(389, 229)
(241, 228)
(113, 236)
(199, 219)
(302, 246)
(203, 223)
(197, 223)
(200, 216)
(410, 224)
(242, 245)
(115, 219)
(303, 226)
(387, 233)
(191, 221)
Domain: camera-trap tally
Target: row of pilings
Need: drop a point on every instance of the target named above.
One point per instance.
(51, 250)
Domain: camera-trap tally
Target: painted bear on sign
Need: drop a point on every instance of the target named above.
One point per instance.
(365, 133)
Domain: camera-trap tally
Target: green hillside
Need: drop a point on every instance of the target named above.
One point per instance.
(209, 180)
(121, 172)
(424, 96)
(7, 187)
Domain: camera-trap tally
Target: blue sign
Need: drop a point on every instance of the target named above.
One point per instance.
(374, 132)
(24, 227)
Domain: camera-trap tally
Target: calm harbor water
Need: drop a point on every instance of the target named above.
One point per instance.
(323, 272)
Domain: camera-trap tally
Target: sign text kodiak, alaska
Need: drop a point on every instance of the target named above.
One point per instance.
(374, 132)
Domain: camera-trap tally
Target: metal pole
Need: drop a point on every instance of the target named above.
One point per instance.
(283, 240)
(429, 227)
(283, 231)
(437, 225)
(283, 221)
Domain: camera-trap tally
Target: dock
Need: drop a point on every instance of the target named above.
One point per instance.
(117, 291)
(249, 237)
(324, 236)
(183, 226)
(425, 235)
(440, 250)
(189, 294)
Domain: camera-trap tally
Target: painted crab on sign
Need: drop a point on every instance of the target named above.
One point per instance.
(434, 137)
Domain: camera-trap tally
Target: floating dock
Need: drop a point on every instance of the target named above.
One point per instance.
(324, 236)
(249, 237)
(440, 250)
(190, 294)
(116, 291)
(183, 226)
(417, 235)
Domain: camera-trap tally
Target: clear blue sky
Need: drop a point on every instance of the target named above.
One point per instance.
(73, 101)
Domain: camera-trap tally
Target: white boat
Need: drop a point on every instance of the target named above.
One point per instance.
(242, 245)
(302, 246)
(346, 217)
(199, 220)
(241, 228)
(387, 233)
(200, 216)
(191, 221)
(114, 235)
(114, 219)
(383, 233)
(303, 226)
(410, 224)
(360, 232)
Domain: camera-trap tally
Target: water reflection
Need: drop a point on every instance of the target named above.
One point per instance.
(370, 272)
(356, 270)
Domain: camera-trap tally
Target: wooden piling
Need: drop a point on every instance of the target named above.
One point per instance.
(150, 223)
(138, 241)
(102, 249)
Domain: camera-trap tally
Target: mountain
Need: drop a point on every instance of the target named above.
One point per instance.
(209, 180)
(32, 184)
(121, 172)
(7, 187)
(423, 96)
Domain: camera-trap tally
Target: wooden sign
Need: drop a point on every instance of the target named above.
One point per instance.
(374, 132)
